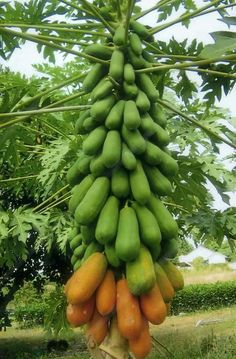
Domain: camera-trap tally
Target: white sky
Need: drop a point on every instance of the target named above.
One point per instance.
(199, 28)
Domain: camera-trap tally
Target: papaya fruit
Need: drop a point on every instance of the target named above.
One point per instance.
(129, 318)
(130, 90)
(97, 166)
(150, 233)
(97, 328)
(79, 251)
(98, 50)
(93, 247)
(86, 279)
(111, 255)
(137, 61)
(73, 175)
(76, 242)
(127, 243)
(93, 77)
(129, 74)
(116, 69)
(141, 346)
(88, 233)
(164, 284)
(173, 273)
(119, 36)
(139, 184)
(92, 203)
(84, 163)
(167, 224)
(120, 185)
(153, 154)
(94, 141)
(140, 273)
(80, 314)
(127, 158)
(168, 165)
(101, 108)
(79, 192)
(169, 249)
(153, 306)
(107, 223)
(161, 136)
(134, 140)
(147, 126)
(77, 264)
(148, 87)
(132, 118)
(142, 102)
(106, 294)
(158, 114)
(158, 182)
(111, 152)
(103, 90)
(135, 44)
(139, 29)
(115, 117)
(79, 129)
(73, 259)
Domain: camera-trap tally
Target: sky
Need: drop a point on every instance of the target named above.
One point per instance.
(200, 28)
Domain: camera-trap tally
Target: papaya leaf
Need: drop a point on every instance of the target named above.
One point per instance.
(225, 41)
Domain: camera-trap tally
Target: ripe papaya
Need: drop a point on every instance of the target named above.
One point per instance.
(142, 102)
(159, 184)
(141, 346)
(127, 240)
(116, 69)
(127, 158)
(150, 233)
(111, 255)
(173, 274)
(140, 273)
(167, 224)
(164, 284)
(134, 140)
(115, 117)
(106, 294)
(119, 36)
(107, 223)
(135, 44)
(93, 201)
(153, 306)
(139, 184)
(97, 328)
(101, 108)
(80, 314)
(129, 74)
(94, 141)
(98, 50)
(120, 186)
(111, 152)
(129, 318)
(148, 87)
(86, 279)
(79, 192)
(139, 29)
(132, 118)
(93, 77)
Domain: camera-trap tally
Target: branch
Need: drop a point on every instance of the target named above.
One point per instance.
(196, 123)
(128, 16)
(183, 17)
(118, 8)
(34, 38)
(66, 99)
(49, 198)
(54, 28)
(155, 7)
(56, 202)
(17, 178)
(61, 39)
(93, 10)
(184, 65)
(213, 72)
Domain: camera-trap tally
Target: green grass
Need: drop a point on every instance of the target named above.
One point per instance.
(178, 334)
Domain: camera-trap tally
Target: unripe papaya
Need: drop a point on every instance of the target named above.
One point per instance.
(132, 118)
(116, 69)
(129, 74)
(93, 77)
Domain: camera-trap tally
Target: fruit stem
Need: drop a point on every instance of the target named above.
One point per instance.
(130, 6)
(49, 198)
(17, 178)
(196, 123)
(56, 202)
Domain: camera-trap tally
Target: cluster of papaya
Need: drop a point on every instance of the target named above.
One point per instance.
(96, 294)
(123, 169)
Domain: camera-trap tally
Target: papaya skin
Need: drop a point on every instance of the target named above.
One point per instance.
(106, 294)
(153, 306)
(141, 346)
(79, 314)
(97, 328)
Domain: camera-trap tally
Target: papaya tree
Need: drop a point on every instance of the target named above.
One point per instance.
(87, 177)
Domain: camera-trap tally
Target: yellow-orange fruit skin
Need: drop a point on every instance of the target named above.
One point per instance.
(86, 279)
(164, 284)
(97, 327)
(129, 318)
(79, 314)
(141, 346)
(106, 294)
(153, 306)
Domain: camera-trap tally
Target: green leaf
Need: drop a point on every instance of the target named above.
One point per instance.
(225, 41)
(229, 20)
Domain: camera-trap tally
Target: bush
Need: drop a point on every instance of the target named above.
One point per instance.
(204, 297)
(30, 316)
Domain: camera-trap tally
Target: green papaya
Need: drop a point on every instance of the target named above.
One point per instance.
(142, 102)
(93, 77)
(88, 233)
(107, 223)
(168, 165)
(153, 154)
(148, 87)
(120, 186)
(80, 250)
(73, 259)
(73, 175)
(129, 74)
(89, 124)
(140, 273)
(93, 143)
(147, 126)
(116, 69)
(127, 244)
(127, 158)
(119, 36)
(173, 273)
(79, 129)
(92, 248)
(97, 166)
(159, 184)
(77, 265)
(100, 109)
(93, 201)
(139, 29)
(79, 192)
(76, 242)
(98, 50)
(115, 117)
(111, 255)
(132, 118)
(135, 44)
(158, 114)
(161, 136)
(103, 90)
(137, 61)
(130, 90)
(170, 248)
(167, 224)
(134, 140)
(139, 184)
(111, 152)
